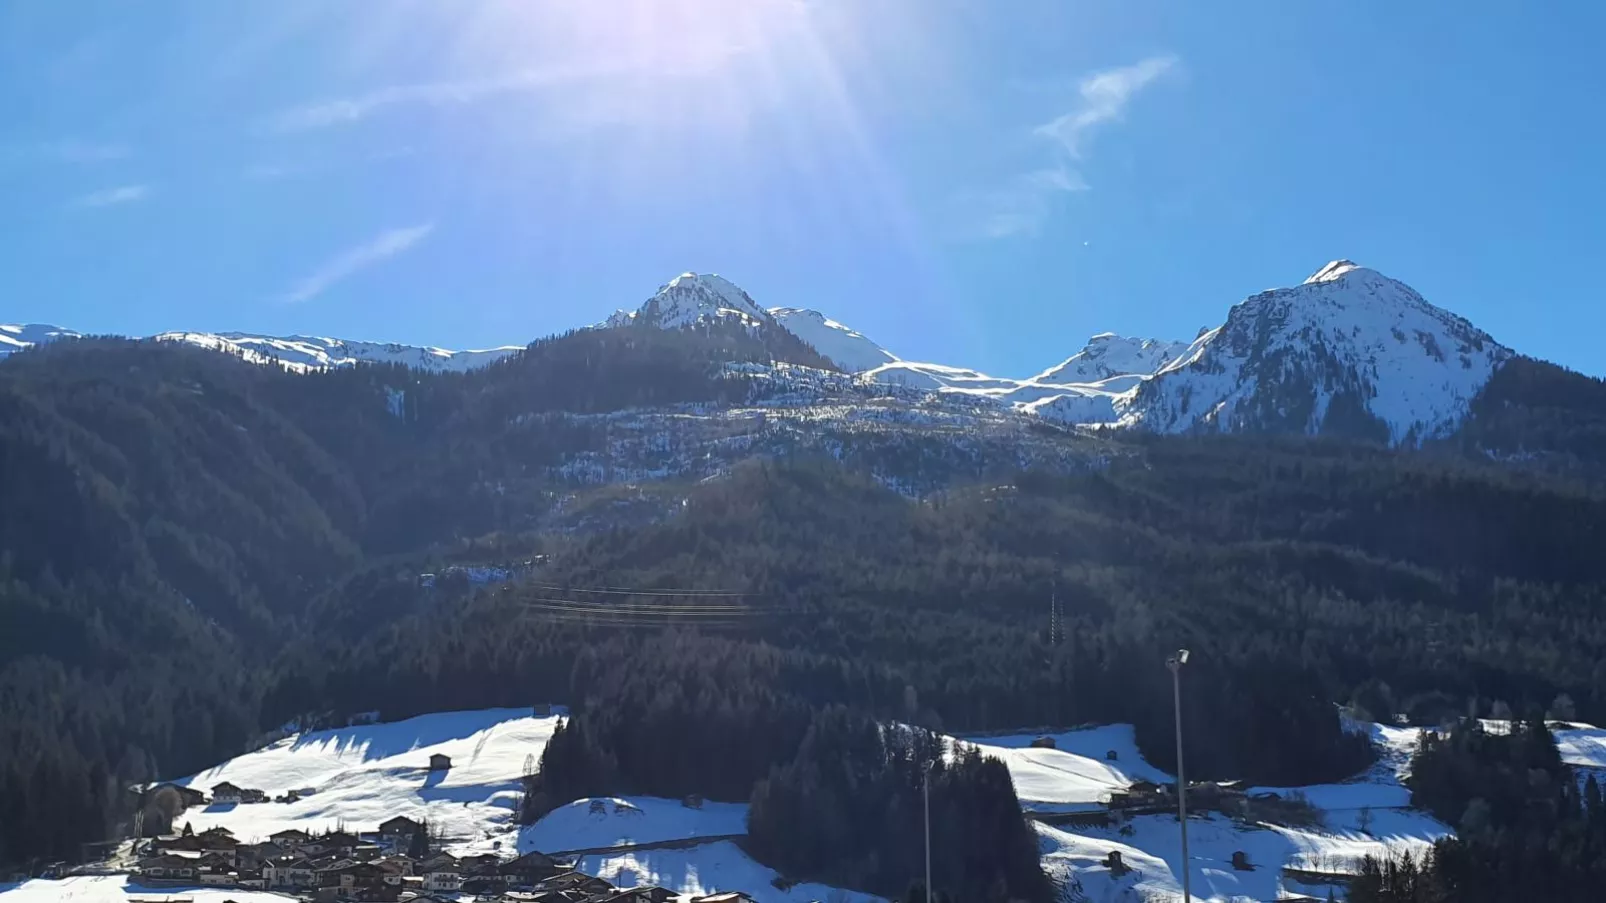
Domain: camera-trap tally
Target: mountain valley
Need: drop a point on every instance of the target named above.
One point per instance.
(1351, 505)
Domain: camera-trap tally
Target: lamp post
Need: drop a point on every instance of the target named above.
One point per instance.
(926, 784)
(1175, 663)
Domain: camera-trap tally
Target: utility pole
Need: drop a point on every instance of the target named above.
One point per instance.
(1055, 632)
(1175, 663)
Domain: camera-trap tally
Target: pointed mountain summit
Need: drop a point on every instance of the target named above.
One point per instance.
(1349, 352)
(691, 299)
(698, 300)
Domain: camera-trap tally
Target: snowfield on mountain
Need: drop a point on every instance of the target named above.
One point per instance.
(846, 348)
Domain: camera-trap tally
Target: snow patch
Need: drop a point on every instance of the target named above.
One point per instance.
(709, 869)
(590, 824)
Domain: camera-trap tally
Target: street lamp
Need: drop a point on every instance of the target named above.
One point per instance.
(1175, 663)
(926, 785)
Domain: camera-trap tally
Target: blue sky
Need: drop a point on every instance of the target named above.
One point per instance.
(975, 182)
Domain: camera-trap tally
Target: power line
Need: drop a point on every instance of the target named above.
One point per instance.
(574, 605)
(623, 591)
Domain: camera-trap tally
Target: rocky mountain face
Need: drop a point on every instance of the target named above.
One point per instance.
(1348, 352)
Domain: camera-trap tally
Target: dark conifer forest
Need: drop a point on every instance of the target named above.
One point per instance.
(197, 550)
(1527, 826)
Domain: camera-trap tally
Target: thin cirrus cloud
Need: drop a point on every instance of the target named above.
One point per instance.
(111, 197)
(355, 259)
(1025, 203)
(1104, 96)
(342, 110)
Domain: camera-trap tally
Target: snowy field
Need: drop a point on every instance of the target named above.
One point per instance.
(706, 869)
(1153, 851)
(621, 821)
(121, 889)
(1077, 773)
(1581, 745)
(362, 775)
(365, 774)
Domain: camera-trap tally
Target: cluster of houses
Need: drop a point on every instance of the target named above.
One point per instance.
(376, 867)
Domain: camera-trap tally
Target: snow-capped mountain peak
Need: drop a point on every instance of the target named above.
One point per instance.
(845, 347)
(1333, 270)
(691, 299)
(1107, 355)
(1347, 351)
(17, 336)
(297, 352)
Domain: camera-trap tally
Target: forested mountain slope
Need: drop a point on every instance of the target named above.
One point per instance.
(197, 549)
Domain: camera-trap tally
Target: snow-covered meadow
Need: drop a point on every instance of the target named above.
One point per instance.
(364, 774)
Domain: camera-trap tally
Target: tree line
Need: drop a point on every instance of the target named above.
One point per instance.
(1526, 828)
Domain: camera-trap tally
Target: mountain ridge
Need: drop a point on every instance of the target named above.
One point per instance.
(1347, 351)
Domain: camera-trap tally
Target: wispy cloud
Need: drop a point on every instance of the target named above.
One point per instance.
(691, 56)
(353, 260)
(108, 197)
(1023, 204)
(1104, 98)
(340, 110)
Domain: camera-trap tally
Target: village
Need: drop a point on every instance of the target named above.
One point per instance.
(393, 863)
(396, 861)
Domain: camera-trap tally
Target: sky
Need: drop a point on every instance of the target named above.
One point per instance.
(982, 183)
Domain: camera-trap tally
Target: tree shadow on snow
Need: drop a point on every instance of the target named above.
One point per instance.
(379, 741)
